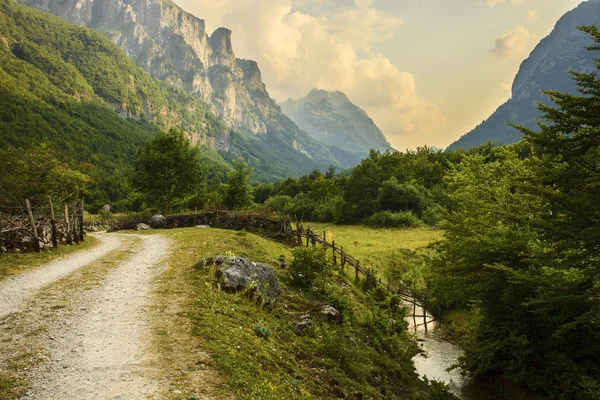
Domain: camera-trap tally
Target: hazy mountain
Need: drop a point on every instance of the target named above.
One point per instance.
(545, 69)
(174, 47)
(331, 118)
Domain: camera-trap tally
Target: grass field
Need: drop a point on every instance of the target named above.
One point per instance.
(382, 249)
(16, 263)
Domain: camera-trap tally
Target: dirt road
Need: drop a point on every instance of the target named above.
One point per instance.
(99, 350)
(15, 290)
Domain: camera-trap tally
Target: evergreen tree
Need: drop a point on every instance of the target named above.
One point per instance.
(238, 192)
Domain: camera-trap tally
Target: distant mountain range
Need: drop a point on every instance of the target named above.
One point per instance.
(545, 69)
(174, 47)
(331, 118)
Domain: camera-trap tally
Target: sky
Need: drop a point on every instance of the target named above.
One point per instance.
(426, 71)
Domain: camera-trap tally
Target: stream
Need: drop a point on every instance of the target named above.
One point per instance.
(439, 355)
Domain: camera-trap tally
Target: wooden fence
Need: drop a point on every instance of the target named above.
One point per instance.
(416, 298)
(35, 227)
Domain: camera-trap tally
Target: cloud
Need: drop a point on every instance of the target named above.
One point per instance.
(494, 3)
(512, 44)
(298, 51)
(532, 15)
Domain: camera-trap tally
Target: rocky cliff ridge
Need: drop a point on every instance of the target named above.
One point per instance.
(545, 69)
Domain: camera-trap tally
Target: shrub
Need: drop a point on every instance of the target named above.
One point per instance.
(386, 219)
(310, 267)
(278, 203)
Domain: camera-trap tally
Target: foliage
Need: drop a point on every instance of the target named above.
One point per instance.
(167, 168)
(522, 251)
(387, 219)
(35, 174)
(238, 192)
(310, 268)
(392, 182)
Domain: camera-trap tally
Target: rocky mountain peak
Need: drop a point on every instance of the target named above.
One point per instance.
(220, 42)
(330, 117)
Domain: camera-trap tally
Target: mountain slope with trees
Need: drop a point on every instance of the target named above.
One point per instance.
(173, 46)
(545, 69)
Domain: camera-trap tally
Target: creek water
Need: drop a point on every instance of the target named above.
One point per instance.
(439, 355)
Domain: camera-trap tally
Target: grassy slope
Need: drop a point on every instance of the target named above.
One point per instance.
(331, 361)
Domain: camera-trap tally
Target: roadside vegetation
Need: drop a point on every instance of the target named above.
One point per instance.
(366, 354)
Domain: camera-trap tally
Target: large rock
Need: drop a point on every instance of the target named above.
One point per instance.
(236, 273)
(158, 222)
(143, 227)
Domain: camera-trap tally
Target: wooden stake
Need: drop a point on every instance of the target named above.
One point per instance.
(415, 312)
(33, 227)
(356, 278)
(424, 315)
(69, 237)
(334, 255)
(81, 221)
(53, 224)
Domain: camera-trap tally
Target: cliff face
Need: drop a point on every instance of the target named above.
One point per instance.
(331, 118)
(174, 47)
(545, 69)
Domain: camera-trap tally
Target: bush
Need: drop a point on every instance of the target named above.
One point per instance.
(278, 203)
(310, 267)
(331, 211)
(386, 219)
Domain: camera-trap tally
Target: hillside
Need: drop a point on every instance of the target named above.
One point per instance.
(331, 118)
(173, 46)
(72, 88)
(545, 69)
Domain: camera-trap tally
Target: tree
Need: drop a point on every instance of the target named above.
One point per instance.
(167, 168)
(522, 249)
(35, 174)
(238, 191)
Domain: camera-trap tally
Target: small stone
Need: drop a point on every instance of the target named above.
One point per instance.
(143, 227)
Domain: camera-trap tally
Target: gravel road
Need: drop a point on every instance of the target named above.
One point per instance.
(15, 290)
(99, 352)
(100, 349)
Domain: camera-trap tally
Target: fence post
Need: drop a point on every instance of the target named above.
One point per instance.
(74, 225)
(53, 224)
(356, 278)
(307, 236)
(81, 221)
(68, 222)
(414, 311)
(424, 314)
(334, 255)
(35, 234)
